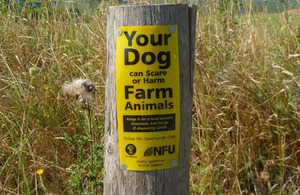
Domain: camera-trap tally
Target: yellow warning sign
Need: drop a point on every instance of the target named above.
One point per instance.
(148, 97)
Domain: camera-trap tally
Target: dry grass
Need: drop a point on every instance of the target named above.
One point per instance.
(34, 118)
(246, 104)
(247, 96)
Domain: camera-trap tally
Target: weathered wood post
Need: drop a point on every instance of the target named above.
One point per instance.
(149, 90)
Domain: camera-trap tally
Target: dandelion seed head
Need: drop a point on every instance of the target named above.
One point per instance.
(81, 90)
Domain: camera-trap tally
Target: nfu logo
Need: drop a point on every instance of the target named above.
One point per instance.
(160, 151)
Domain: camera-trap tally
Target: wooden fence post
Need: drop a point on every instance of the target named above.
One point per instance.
(121, 179)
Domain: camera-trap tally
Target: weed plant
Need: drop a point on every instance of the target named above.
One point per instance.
(246, 114)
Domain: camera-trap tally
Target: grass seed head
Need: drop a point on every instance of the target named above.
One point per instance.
(33, 71)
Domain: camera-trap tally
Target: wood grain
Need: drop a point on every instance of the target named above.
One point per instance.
(168, 181)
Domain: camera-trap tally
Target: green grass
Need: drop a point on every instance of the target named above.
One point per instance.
(246, 115)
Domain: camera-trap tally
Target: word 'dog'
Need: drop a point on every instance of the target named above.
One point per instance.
(133, 56)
